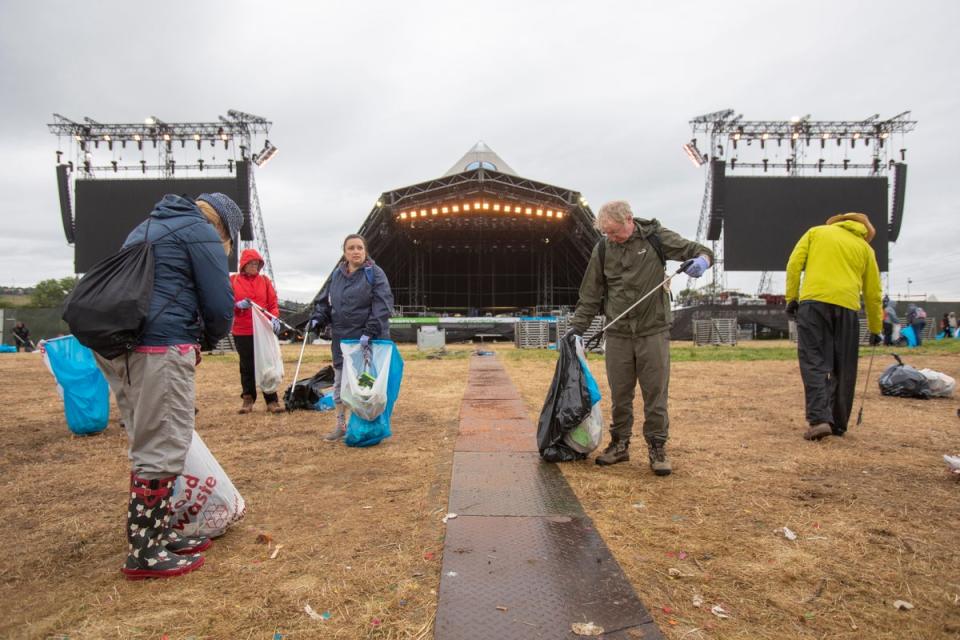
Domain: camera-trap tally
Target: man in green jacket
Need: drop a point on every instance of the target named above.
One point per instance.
(838, 266)
(627, 263)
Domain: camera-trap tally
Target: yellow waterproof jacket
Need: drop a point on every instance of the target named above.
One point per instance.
(838, 265)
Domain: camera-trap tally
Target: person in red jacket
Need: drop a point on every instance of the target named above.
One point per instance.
(250, 287)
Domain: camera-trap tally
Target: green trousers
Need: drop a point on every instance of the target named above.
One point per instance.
(645, 360)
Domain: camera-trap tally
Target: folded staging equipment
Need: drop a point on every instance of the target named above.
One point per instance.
(479, 248)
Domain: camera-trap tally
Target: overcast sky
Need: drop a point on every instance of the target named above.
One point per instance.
(368, 97)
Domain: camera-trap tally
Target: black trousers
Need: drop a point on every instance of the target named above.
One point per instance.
(828, 347)
(248, 379)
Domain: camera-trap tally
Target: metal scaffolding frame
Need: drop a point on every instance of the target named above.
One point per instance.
(727, 131)
(237, 130)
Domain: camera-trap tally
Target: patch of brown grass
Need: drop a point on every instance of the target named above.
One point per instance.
(875, 514)
(354, 523)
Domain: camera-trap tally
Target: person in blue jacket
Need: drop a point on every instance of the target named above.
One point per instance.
(355, 302)
(154, 385)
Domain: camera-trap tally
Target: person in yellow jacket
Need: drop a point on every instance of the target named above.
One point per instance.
(838, 265)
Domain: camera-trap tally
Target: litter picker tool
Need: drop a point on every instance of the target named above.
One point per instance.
(273, 317)
(595, 339)
(296, 375)
(866, 383)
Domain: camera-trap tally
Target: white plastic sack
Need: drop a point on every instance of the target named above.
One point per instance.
(586, 436)
(941, 385)
(267, 359)
(366, 402)
(205, 502)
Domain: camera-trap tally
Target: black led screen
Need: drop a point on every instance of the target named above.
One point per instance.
(764, 217)
(108, 210)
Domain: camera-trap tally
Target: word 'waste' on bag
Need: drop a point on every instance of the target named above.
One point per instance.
(387, 369)
(205, 502)
(567, 405)
(80, 383)
(267, 359)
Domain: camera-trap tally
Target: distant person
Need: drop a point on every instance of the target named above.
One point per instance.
(917, 319)
(252, 287)
(952, 321)
(945, 329)
(21, 335)
(355, 303)
(890, 320)
(154, 384)
(838, 265)
(624, 265)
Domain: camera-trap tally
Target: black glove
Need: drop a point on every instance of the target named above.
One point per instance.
(792, 307)
(572, 331)
(875, 339)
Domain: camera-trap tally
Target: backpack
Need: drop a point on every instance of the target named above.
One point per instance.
(108, 309)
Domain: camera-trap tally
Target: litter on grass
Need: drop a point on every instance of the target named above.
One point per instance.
(719, 611)
(788, 534)
(902, 605)
(586, 629)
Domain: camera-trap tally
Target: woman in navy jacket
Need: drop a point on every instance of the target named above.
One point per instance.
(355, 302)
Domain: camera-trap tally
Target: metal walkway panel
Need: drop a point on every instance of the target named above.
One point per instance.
(476, 434)
(524, 578)
(509, 484)
(493, 409)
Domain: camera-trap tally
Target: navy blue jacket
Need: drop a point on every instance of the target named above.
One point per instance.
(355, 304)
(191, 281)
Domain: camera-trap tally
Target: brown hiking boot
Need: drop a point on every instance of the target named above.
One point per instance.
(274, 407)
(818, 431)
(659, 462)
(247, 405)
(616, 451)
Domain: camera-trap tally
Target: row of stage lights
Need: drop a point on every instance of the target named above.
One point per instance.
(763, 137)
(481, 205)
(139, 139)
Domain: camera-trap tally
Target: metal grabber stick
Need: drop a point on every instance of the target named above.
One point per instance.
(595, 339)
(866, 383)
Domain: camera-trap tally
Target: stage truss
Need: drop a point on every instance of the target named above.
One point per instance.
(866, 147)
(90, 141)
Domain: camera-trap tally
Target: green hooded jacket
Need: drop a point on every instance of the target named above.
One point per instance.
(631, 270)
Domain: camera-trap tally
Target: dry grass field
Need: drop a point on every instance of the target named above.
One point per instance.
(875, 515)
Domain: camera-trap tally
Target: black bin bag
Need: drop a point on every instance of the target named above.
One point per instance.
(305, 393)
(903, 381)
(566, 406)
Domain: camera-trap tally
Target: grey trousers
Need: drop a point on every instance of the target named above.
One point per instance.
(156, 406)
(645, 360)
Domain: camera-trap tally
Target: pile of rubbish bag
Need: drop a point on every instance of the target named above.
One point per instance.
(570, 425)
(903, 381)
(311, 393)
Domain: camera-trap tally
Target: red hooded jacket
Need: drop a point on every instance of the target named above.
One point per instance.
(258, 288)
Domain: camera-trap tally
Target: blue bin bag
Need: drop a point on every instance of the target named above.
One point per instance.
(911, 337)
(325, 403)
(7, 348)
(366, 433)
(86, 395)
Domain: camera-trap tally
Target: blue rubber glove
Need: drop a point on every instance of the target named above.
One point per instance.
(276, 325)
(243, 304)
(695, 268)
(313, 324)
(364, 341)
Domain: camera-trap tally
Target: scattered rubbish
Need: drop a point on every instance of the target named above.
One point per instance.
(375, 622)
(678, 518)
(902, 605)
(277, 636)
(586, 629)
(697, 600)
(452, 574)
(639, 505)
(367, 507)
(417, 574)
(788, 534)
(449, 516)
(501, 608)
(682, 555)
(429, 555)
(718, 611)
(314, 615)
(276, 550)
(674, 573)
(953, 462)
(667, 610)
(484, 353)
